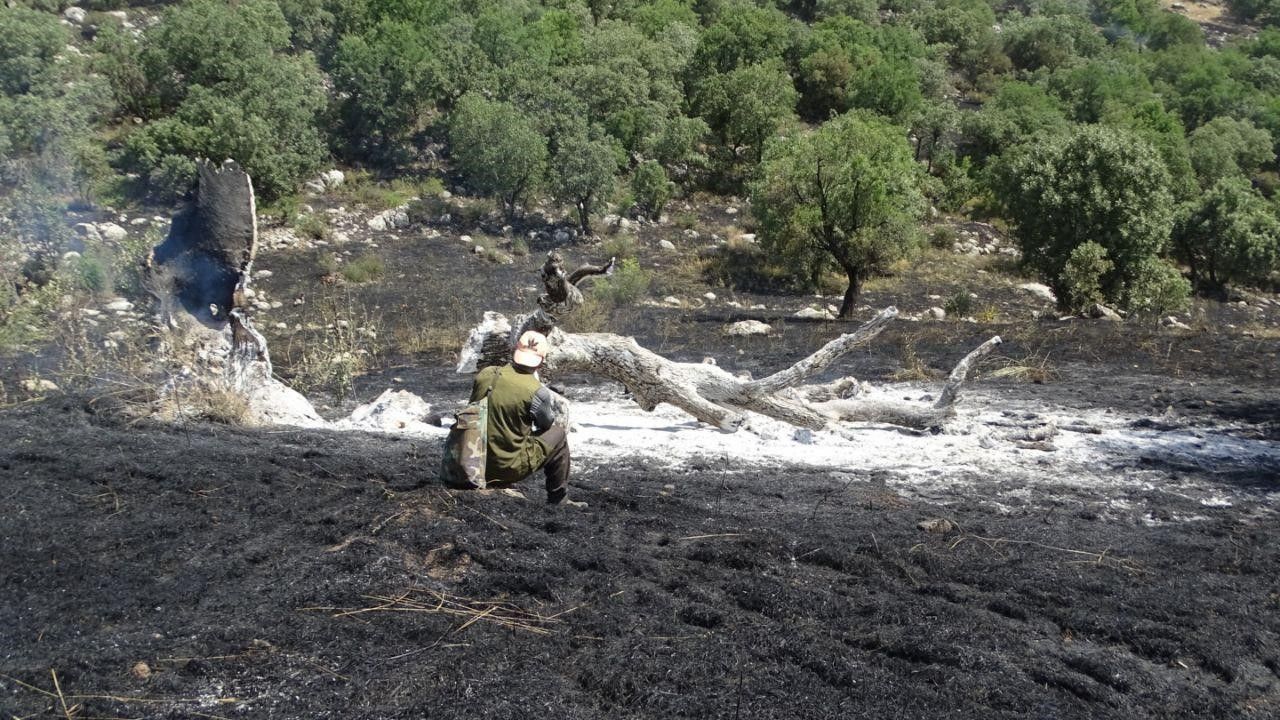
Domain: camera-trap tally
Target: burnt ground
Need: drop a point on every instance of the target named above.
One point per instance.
(201, 570)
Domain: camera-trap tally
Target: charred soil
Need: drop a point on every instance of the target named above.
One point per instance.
(201, 570)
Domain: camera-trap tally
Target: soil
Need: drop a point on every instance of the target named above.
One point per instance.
(201, 570)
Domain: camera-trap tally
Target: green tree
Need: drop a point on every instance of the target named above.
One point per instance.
(1050, 41)
(1093, 184)
(586, 168)
(846, 64)
(845, 194)
(385, 79)
(1226, 147)
(1018, 112)
(1230, 235)
(498, 149)
(221, 83)
(743, 108)
(651, 187)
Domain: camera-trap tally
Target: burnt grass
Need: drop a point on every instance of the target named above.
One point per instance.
(201, 570)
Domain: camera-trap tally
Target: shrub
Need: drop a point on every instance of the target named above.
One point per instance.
(943, 237)
(363, 269)
(1083, 273)
(313, 226)
(620, 246)
(172, 179)
(959, 304)
(627, 285)
(519, 248)
(652, 188)
(1158, 288)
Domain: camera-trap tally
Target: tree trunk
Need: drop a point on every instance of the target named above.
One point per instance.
(707, 392)
(851, 292)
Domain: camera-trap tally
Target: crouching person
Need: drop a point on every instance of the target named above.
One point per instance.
(523, 436)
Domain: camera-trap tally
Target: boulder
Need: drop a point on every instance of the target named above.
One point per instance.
(1098, 311)
(666, 245)
(38, 385)
(333, 179)
(1041, 291)
(709, 296)
(936, 313)
(812, 314)
(88, 231)
(744, 328)
(75, 14)
(672, 300)
(112, 232)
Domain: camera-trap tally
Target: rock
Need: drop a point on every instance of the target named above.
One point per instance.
(140, 670)
(672, 300)
(744, 328)
(478, 249)
(1098, 311)
(563, 235)
(466, 239)
(936, 313)
(314, 186)
(333, 179)
(139, 222)
(445, 195)
(709, 296)
(38, 385)
(392, 219)
(75, 14)
(1174, 323)
(1041, 291)
(112, 232)
(731, 211)
(262, 274)
(691, 234)
(120, 15)
(747, 237)
(118, 305)
(71, 255)
(812, 314)
(941, 526)
(624, 224)
(610, 220)
(88, 231)
(666, 245)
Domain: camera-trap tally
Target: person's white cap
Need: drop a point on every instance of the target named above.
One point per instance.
(531, 349)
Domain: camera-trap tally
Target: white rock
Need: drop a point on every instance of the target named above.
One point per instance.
(71, 255)
(691, 234)
(445, 195)
(88, 231)
(747, 237)
(75, 14)
(1041, 291)
(38, 385)
(672, 300)
(709, 296)
(478, 250)
(731, 211)
(624, 224)
(936, 313)
(1099, 311)
(261, 274)
(137, 222)
(120, 15)
(314, 186)
(112, 232)
(666, 245)
(744, 328)
(466, 239)
(392, 411)
(563, 236)
(333, 179)
(812, 314)
(118, 305)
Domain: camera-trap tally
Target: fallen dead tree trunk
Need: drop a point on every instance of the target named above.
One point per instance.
(705, 391)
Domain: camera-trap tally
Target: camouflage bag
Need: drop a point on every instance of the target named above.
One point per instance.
(467, 448)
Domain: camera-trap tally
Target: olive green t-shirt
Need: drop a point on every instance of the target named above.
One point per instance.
(514, 451)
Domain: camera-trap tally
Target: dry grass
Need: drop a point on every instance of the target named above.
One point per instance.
(1032, 368)
(913, 368)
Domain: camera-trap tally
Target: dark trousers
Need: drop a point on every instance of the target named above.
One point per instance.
(556, 466)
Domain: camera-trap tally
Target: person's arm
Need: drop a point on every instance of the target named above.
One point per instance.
(543, 409)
